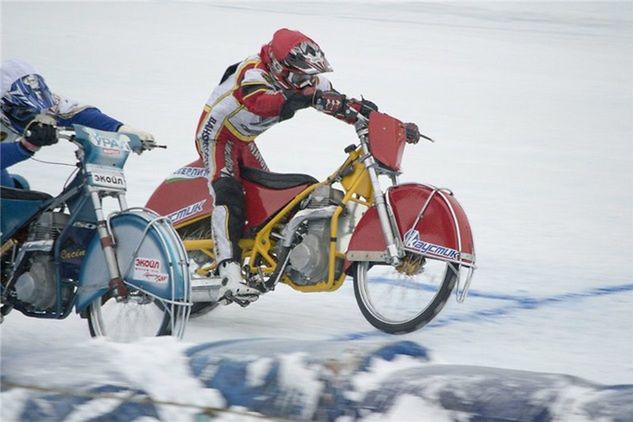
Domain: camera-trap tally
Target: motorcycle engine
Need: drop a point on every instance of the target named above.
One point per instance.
(35, 275)
(37, 285)
(308, 260)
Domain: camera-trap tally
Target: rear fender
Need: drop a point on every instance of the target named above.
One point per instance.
(429, 221)
(184, 196)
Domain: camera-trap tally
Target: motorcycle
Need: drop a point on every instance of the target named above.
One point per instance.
(406, 247)
(127, 273)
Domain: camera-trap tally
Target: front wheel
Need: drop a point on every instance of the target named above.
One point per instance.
(402, 299)
(135, 316)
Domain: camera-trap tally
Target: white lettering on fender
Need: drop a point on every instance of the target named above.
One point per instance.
(189, 173)
(187, 211)
(412, 241)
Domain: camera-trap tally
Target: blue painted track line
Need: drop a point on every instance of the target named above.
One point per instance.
(517, 303)
(595, 291)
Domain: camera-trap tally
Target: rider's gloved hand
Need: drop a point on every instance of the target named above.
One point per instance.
(330, 102)
(296, 100)
(366, 107)
(363, 107)
(146, 138)
(41, 131)
(412, 133)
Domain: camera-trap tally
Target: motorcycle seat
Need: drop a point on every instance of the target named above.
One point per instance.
(27, 195)
(18, 207)
(276, 180)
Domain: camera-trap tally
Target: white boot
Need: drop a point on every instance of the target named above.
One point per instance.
(232, 285)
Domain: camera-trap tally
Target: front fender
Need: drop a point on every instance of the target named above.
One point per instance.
(150, 256)
(429, 221)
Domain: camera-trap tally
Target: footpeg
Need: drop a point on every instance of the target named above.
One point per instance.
(243, 301)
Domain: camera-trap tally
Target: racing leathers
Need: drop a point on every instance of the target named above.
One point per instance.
(247, 102)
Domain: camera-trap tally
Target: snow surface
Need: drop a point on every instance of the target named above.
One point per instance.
(531, 105)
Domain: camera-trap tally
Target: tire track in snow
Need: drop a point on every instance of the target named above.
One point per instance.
(517, 303)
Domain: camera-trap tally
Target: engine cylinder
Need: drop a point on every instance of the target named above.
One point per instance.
(48, 226)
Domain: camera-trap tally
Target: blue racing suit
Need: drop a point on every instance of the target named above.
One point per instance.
(71, 113)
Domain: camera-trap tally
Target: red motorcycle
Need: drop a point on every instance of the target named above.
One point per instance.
(406, 247)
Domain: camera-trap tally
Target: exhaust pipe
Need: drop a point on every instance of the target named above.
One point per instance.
(205, 289)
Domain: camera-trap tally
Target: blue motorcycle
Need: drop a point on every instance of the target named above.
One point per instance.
(126, 273)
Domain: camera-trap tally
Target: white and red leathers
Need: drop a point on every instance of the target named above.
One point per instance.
(247, 102)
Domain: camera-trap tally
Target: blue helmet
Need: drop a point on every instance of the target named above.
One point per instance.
(26, 97)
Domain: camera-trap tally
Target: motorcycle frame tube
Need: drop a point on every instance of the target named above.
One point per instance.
(57, 253)
(261, 245)
(355, 183)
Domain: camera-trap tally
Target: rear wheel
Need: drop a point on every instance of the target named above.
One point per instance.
(133, 317)
(402, 299)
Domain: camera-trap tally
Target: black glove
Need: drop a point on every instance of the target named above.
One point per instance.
(296, 100)
(366, 107)
(330, 102)
(413, 133)
(40, 134)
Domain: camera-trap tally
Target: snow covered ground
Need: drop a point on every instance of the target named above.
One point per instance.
(532, 108)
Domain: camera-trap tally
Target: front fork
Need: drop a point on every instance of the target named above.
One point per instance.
(107, 243)
(394, 251)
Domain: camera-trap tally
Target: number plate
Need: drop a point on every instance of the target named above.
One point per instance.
(108, 180)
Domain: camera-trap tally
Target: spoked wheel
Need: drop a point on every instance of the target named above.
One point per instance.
(402, 299)
(136, 316)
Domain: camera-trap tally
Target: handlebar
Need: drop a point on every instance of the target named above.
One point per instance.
(136, 144)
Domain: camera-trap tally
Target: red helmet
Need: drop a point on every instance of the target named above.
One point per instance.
(294, 59)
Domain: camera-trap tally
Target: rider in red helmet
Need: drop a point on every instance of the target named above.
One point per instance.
(252, 96)
(293, 59)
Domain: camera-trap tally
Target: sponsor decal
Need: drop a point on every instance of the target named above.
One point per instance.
(148, 269)
(189, 173)
(187, 211)
(208, 129)
(72, 254)
(108, 180)
(109, 144)
(412, 241)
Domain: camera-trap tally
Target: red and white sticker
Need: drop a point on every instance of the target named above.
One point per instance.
(148, 269)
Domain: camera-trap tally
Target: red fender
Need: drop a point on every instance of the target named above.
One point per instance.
(442, 230)
(184, 196)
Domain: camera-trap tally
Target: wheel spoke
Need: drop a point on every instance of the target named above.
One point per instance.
(136, 316)
(405, 298)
